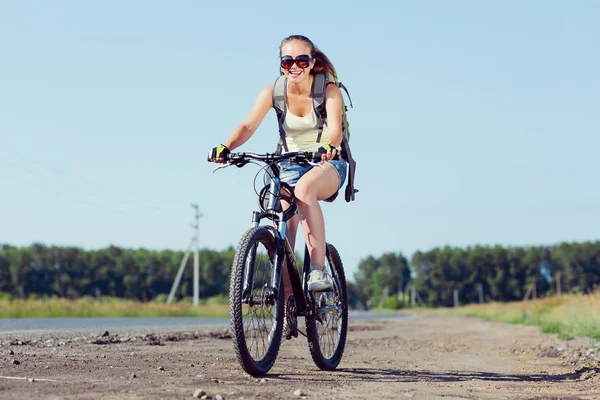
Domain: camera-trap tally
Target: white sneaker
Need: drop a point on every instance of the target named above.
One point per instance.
(318, 280)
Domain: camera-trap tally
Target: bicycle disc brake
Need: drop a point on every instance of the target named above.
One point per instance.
(291, 318)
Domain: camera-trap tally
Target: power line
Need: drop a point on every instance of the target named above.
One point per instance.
(54, 191)
(47, 186)
(122, 193)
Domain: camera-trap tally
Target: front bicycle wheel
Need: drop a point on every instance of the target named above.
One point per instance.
(256, 317)
(327, 327)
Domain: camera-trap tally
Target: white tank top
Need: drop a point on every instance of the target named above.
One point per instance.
(301, 132)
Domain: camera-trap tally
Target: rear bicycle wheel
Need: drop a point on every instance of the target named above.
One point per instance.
(327, 327)
(256, 317)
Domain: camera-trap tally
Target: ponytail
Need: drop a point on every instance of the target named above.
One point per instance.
(322, 64)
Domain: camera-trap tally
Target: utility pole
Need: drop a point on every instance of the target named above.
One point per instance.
(527, 294)
(384, 295)
(196, 260)
(193, 242)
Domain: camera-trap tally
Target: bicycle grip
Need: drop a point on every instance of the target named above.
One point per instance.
(315, 156)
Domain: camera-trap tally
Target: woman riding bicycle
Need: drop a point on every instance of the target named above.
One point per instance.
(300, 61)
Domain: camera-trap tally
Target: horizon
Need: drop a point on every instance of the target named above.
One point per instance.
(227, 248)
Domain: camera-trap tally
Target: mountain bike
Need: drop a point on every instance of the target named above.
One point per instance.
(256, 291)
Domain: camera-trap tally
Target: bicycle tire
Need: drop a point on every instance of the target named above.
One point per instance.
(263, 235)
(312, 334)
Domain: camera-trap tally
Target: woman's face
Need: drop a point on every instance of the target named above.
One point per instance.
(300, 52)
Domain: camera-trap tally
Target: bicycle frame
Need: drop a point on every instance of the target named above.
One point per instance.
(279, 218)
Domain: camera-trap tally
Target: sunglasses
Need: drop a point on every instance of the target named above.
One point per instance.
(302, 61)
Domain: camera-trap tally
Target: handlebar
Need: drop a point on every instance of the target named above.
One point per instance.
(295, 157)
(298, 157)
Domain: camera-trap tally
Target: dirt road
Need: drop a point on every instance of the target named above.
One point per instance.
(411, 358)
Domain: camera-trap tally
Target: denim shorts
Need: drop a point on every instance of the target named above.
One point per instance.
(291, 173)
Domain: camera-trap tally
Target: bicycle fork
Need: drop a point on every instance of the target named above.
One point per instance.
(278, 257)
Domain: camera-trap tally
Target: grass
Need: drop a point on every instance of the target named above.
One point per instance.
(108, 307)
(566, 315)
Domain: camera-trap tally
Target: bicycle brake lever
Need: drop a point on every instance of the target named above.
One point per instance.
(316, 164)
(222, 166)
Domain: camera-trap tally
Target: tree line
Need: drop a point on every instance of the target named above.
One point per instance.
(437, 277)
(443, 275)
(139, 274)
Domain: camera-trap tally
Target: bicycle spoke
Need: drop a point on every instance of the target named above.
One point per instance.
(326, 331)
(258, 320)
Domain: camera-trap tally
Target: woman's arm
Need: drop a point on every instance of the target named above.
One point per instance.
(246, 129)
(333, 105)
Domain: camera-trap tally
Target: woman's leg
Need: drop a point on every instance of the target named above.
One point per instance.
(317, 184)
(290, 233)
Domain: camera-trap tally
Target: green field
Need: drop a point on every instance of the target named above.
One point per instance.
(109, 307)
(567, 315)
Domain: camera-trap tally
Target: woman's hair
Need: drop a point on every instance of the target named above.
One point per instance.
(322, 63)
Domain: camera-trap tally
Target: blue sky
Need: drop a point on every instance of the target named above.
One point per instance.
(473, 122)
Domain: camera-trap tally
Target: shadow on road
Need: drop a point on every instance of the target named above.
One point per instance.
(391, 375)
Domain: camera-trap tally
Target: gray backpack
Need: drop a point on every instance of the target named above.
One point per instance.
(320, 83)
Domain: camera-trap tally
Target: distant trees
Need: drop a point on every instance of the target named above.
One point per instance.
(432, 277)
(505, 274)
(380, 278)
(128, 273)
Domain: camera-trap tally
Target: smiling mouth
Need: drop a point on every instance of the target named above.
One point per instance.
(296, 74)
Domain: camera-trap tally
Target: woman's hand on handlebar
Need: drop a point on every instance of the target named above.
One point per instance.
(328, 152)
(219, 154)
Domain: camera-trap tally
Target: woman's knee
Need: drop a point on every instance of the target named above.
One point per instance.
(305, 192)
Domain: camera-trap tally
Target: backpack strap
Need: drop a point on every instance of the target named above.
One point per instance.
(280, 106)
(347, 155)
(319, 87)
(341, 86)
